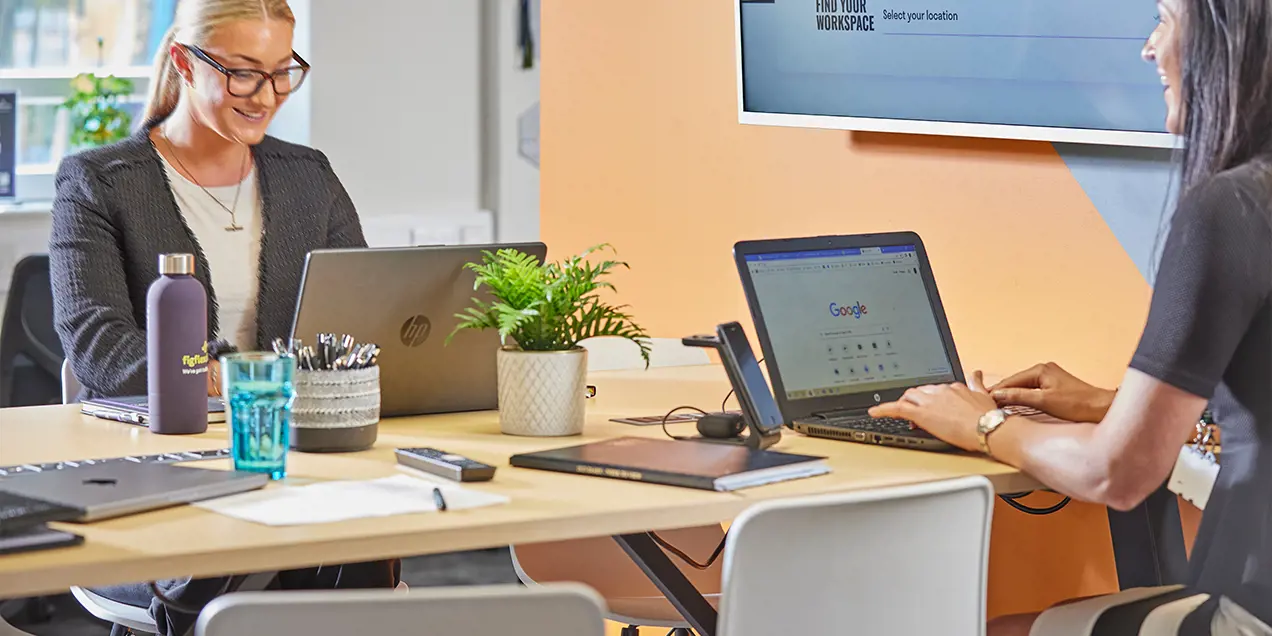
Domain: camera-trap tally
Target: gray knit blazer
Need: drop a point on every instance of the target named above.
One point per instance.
(114, 214)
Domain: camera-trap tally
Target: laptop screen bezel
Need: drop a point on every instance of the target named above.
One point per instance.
(798, 409)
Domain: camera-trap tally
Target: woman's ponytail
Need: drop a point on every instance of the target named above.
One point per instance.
(165, 83)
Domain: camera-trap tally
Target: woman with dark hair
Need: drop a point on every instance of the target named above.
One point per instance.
(1208, 340)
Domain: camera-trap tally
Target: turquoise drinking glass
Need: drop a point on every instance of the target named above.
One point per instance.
(259, 393)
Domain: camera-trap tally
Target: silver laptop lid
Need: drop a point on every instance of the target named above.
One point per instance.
(123, 488)
(405, 300)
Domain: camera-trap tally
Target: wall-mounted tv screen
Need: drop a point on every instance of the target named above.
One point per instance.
(1067, 71)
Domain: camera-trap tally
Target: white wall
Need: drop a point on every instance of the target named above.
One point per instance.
(21, 233)
(292, 122)
(396, 102)
(510, 182)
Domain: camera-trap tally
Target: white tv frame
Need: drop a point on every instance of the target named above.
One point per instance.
(943, 128)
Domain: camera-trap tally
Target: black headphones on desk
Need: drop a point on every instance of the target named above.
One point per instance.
(721, 425)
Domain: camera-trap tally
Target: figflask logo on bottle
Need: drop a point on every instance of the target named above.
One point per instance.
(195, 364)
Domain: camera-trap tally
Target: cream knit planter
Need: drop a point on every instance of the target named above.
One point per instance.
(541, 394)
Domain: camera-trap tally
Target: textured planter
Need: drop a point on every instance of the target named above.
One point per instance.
(336, 411)
(541, 394)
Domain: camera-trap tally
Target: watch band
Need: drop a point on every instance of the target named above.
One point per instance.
(989, 423)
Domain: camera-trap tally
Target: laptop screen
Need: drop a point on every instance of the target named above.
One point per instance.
(851, 320)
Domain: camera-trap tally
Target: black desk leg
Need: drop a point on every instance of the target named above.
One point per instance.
(671, 581)
(1148, 543)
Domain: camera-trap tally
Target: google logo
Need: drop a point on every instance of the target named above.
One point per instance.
(856, 311)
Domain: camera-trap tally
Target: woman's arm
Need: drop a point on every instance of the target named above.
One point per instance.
(344, 230)
(1120, 461)
(1117, 463)
(91, 307)
(1056, 392)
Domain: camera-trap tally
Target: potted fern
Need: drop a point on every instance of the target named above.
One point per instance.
(542, 312)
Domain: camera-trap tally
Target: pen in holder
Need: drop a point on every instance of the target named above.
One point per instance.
(337, 383)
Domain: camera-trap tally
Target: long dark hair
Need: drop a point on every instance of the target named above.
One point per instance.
(1227, 91)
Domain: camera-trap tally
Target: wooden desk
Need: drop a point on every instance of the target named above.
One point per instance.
(545, 506)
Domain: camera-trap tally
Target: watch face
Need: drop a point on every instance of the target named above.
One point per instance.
(991, 420)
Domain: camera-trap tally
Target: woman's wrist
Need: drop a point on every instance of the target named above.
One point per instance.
(1101, 404)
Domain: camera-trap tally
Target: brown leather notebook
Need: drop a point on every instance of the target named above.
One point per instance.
(687, 464)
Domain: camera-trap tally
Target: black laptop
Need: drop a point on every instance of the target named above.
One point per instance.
(845, 323)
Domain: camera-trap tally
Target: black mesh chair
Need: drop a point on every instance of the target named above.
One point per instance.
(30, 351)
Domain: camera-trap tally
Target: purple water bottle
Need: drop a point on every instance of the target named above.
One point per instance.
(177, 348)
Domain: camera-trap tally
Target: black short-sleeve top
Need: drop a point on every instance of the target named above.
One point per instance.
(1209, 333)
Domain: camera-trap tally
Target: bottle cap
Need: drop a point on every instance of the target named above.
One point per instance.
(176, 264)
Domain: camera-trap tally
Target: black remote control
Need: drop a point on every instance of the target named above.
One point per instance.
(444, 464)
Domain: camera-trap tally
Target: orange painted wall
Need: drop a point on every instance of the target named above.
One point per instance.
(641, 148)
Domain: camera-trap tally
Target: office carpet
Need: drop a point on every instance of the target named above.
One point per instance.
(483, 567)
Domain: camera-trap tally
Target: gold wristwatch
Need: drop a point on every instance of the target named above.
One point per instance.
(989, 423)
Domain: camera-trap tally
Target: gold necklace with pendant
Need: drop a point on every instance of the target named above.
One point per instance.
(233, 226)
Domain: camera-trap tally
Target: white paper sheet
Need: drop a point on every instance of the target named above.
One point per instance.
(332, 501)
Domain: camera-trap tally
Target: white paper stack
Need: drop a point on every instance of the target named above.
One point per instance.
(332, 501)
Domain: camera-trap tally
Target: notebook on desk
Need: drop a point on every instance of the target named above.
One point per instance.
(673, 463)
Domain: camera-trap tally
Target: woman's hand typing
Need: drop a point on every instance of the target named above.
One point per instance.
(1054, 391)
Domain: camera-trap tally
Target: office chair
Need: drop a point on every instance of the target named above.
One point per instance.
(137, 620)
(905, 560)
(30, 351)
(70, 386)
(472, 611)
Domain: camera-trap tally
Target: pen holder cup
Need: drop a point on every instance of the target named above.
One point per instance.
(335, 411)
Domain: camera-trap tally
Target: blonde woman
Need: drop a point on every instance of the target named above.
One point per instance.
(202, 177)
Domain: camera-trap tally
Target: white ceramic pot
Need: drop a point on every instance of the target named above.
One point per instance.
(542, 394)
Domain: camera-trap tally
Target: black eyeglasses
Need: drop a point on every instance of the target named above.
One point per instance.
(247, 82)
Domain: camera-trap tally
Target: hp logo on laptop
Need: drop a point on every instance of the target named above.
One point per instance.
(416, 330)
(878, 398)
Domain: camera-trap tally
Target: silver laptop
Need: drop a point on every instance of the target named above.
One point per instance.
(405, 300)
(123, 488)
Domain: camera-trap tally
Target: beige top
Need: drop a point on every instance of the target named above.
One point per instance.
(233, 257)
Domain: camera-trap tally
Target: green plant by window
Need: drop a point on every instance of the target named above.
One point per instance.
(548, 306)
(97, 115)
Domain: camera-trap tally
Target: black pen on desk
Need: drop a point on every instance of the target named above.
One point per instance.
(438, 499)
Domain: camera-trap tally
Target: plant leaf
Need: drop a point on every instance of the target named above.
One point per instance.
(549, 306)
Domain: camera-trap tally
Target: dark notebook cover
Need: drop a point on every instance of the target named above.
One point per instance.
(675, 463)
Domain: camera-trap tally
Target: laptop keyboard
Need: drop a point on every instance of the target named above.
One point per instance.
(163, 458)
(883, 425)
